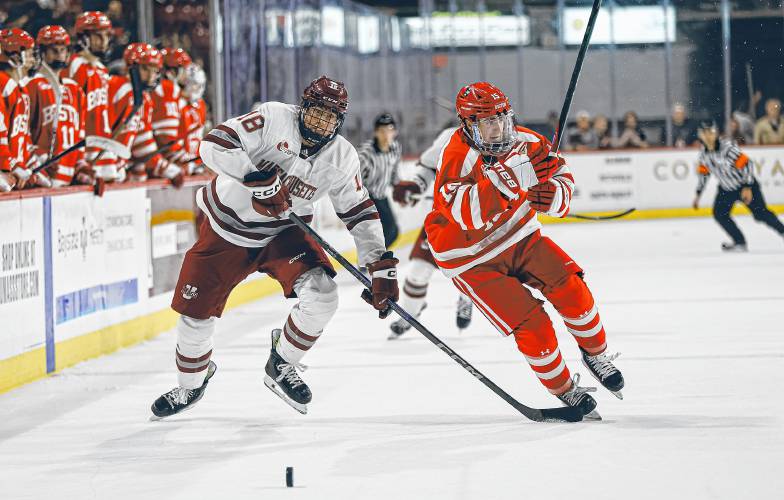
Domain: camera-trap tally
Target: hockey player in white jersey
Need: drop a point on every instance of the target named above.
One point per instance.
(271, 162)
(422, 265)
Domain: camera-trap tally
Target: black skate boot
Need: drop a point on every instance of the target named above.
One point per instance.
(401, 326)
(464, 309)
(734, 247)
(282, 378)
(181, 399)
(604, 371)
(578, 397)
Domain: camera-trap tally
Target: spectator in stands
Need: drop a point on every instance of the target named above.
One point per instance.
(632, 135)
(581, 137)
(770, 128)
(683, 132)
(601, 127)
(734, 132)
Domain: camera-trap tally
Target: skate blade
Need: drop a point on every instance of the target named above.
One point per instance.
(617, 394)
(593, 416)
(271, 385)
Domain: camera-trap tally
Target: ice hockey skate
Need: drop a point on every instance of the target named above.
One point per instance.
(578, 397)
(283, 379)
(464, 310)
(180, 399)
(604, 371)
(401, 326)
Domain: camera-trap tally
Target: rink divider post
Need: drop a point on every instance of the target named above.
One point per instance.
(561, 414)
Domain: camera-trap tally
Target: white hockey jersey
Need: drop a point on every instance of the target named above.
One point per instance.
(269, 138)
(425, 172)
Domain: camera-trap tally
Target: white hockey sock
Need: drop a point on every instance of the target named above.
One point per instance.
(194, 348)
(318, 301)
(415, 285)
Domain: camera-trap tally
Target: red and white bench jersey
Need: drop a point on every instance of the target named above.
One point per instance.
(69, 120)
(167, 117)
(17, 123)
(471, 221)
(194, 117)
(270, 138)
(93, 78)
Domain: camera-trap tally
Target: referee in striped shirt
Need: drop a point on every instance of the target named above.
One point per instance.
(379, 159)
(734, 171)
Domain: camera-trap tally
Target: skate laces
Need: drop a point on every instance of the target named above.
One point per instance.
(573, 395)
(288, 371)
(464, 307)
(178, 395)
(602, 363)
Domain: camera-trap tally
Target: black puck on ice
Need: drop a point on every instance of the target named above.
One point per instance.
(289, 477)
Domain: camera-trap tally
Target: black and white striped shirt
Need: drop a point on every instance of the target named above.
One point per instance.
(379, 170)
(732, 168)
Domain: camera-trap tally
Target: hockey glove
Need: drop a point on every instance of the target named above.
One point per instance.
(541, 196)
(407, 193)
(545, 162)
(384, 284)
(270, 197)
(7, 182)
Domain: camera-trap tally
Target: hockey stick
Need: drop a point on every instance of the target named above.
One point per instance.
(565, 414)
(578, 65)
(137, 91)
(602, 217)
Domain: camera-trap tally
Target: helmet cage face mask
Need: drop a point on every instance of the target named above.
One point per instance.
(319, 124)
(495, 144)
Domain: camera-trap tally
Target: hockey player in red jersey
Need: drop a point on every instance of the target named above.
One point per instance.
(193, 112)
(167, 115)
(270, 162)
(493, 178)
(136, 133)
(16, 162)
(93, 38)
(57, 110)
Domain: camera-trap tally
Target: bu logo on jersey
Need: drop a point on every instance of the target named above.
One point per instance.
(190, 292)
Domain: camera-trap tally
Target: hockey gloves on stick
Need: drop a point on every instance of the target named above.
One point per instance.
(542, 195)
(407, 193)
(545, 162)
(270, 197)
(383, 285)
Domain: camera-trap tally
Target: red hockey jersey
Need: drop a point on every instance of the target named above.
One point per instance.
(16, 121)
(471, 221)
(194, 117)
(69, 121)
(167, 118)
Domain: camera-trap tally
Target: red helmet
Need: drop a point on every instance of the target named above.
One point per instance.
(482, 101)
(326, 93)
(142, 53)
(53, 35)
(90, 21)
(14, 41)
(175, 58)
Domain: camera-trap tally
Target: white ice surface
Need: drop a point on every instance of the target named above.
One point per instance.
(702, 341)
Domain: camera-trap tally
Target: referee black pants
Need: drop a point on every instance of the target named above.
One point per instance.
(388, 221)
(726, 199)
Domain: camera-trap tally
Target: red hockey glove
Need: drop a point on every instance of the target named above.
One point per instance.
(384, 284)
(406, 193)
(541, 196)
(270, 197)
(545, 162)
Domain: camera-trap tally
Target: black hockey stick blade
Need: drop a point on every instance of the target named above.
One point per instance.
(602, 217)
(563, 414)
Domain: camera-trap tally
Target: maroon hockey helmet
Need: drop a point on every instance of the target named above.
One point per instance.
(328, 94)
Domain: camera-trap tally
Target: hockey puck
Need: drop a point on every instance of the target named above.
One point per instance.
(289, 477)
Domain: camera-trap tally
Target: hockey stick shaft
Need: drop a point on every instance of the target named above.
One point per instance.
(578, 65)
(566, 414)
(602, 217)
